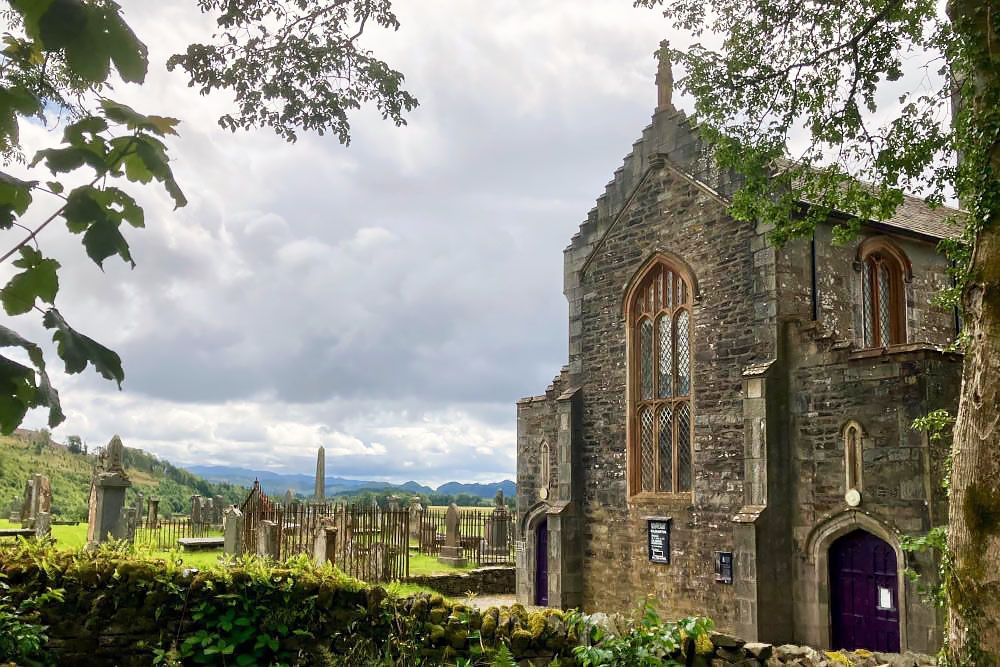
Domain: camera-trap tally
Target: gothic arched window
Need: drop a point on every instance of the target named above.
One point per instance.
(660, 327)
(883, 296)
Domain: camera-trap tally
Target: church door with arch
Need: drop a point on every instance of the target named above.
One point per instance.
(864, 594)
(542, 564)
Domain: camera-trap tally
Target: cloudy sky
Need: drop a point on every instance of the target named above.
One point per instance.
(390, 300)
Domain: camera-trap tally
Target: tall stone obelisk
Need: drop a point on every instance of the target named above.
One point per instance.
(320, 475)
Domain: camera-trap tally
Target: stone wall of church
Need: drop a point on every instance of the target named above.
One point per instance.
(901, 470)
(733, 321)
(838, 282)
(536, 424)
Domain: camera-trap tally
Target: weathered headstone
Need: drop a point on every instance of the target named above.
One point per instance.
(43, 525)
(325, 545)
(289, 498)
(107, 496)
(195, 509)
(497, 527)
(129, 518)
(153, 512)
(451, 552)
(218, 507)
(416, 512)
(267, 539)
(319, 493)
(232, 531)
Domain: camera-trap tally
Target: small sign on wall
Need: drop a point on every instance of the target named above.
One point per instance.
(658, 532)
(724, 567)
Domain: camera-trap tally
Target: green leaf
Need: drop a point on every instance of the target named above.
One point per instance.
(39, 280)
(15, 101)
(17, 392)
(129, 55)
(77, 350)
(133, 120)
(42, 395)
(15, 196)
(103, 240)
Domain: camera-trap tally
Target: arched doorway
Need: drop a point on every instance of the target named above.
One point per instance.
(864, 593)
(542, 563)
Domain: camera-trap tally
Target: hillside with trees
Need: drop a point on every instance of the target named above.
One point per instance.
(69, 468)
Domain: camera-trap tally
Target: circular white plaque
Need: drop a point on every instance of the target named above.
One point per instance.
(543, 493)
(853, 497)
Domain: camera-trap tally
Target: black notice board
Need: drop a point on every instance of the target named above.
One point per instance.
(658, 533)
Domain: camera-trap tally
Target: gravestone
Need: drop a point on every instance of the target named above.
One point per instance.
(37, 498)
(319, 493)
(267, 539)
(129, 518)
(451, 552)
(140, 505)
(153, 512)
(289, 498)
(325, 544)
(218, 507)
(107, 496)
(195, 509)
(497, 524)
(232, 530)
(416, 512)
(43, 525)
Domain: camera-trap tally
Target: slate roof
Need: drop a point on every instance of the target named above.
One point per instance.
(914, 215)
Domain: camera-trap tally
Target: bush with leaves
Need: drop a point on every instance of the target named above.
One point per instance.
(651, 642)
(22, 639)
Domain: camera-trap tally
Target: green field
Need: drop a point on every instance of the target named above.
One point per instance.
(75, 537)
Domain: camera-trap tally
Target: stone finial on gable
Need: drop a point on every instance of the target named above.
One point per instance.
(664, 79)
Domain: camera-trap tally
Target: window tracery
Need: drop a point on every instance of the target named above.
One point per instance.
(659, 320)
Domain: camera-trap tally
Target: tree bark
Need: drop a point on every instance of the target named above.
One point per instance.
(973, 575)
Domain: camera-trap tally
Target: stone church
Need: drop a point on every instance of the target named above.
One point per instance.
(732, 433)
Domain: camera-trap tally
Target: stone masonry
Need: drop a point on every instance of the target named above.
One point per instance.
(777, 372)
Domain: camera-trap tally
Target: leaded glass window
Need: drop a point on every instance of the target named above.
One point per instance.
(660, 371)
(882, 301)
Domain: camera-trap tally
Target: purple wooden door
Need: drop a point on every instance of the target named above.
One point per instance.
(864, 594)
(542, 564)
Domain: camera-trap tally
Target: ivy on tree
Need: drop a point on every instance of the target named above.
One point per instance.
(290, 65)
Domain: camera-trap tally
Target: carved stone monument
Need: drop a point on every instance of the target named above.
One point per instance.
(37, 498)
(107, 496)
(289, 498)
(153, 512)
(267, 539)
(497, 527)
(325, 544)
(232, 531)
(320, 491)
(195, 509)
(416, 512)
(43, 525)
(451, 552)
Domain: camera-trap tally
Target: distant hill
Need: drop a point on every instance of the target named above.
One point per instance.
(277, 483)
(28, 452)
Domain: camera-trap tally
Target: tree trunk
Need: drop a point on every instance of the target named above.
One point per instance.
(973, 577)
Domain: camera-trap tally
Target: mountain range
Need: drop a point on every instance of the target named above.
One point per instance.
(277, 483)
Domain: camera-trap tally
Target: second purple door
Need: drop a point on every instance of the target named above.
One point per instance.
(542, 564)
(864, 594)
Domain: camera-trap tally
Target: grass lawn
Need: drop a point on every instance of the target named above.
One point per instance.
(422, 565)
(75, 537)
